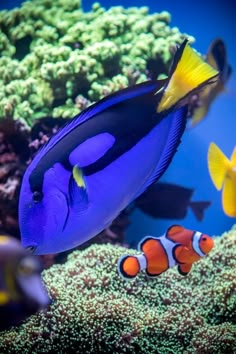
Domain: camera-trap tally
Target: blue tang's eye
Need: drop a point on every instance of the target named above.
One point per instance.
(37, 196)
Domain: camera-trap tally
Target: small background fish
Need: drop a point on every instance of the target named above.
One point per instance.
(21, 289)
(170, 201)
(201, 102)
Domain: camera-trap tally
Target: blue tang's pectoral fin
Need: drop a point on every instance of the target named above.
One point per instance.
(77, 189)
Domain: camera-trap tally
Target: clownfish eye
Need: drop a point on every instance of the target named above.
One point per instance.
(204, 238)
(37, 196)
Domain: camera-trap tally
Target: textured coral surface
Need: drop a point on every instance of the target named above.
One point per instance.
(95, 311)
(55, 59)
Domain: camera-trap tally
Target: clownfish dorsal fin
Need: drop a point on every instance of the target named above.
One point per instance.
(174, 229)
(181, 254)
(184, 269)
(145, 242)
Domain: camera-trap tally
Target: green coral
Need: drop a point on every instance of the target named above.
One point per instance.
(52, 51)
(95, 311)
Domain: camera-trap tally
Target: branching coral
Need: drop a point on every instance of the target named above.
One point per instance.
(14, 153)
(95, 311)
(52, 51)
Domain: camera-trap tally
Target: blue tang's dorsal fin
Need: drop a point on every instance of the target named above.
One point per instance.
(102, 105)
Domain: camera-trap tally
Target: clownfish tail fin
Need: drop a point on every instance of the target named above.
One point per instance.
(128, 267)
(188, 73)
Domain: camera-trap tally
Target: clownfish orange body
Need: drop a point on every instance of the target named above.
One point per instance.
(178, 246)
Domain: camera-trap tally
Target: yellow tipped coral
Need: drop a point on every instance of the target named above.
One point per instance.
(67, 53)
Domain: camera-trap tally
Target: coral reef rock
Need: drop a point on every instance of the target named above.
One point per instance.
(55, 59)
(95, 311)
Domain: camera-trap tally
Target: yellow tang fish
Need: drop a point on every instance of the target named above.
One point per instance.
(223, 174)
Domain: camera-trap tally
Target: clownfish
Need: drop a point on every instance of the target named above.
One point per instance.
(106, 157)
(178, 246)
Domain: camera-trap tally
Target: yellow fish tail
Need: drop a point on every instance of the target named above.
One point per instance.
(189, 72)
(229, 197)
(218, 164)
(198, 114)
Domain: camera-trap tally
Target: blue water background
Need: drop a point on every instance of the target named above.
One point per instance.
(205, 20)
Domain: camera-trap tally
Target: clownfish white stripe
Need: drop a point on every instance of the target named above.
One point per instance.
(168, 247)
(142, 261)
(196, 239)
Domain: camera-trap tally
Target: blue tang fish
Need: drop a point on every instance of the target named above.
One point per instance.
(106, 157)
